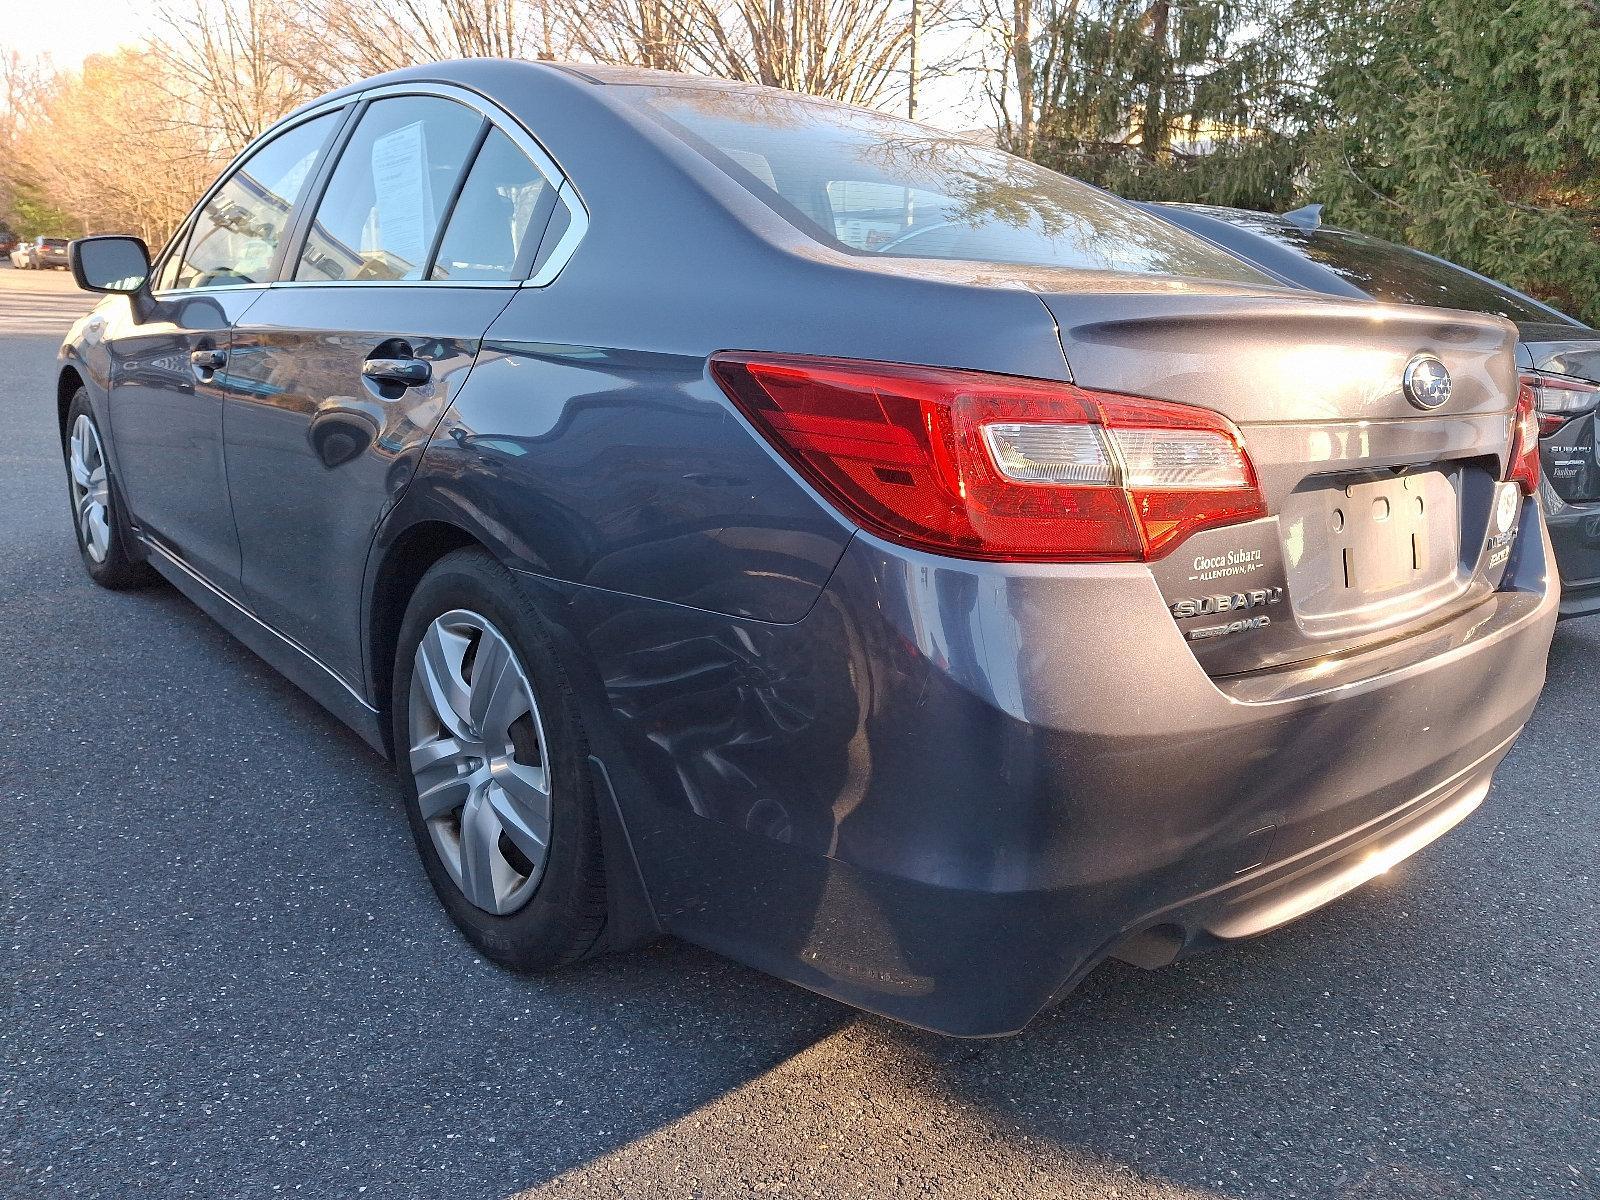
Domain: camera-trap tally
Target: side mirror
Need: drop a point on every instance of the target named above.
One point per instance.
(110, 264)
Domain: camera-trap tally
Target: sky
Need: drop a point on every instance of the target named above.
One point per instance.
(68, 31)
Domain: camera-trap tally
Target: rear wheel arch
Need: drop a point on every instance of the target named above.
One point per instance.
(405, 561)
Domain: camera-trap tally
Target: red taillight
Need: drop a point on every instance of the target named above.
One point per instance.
(994, 466)
(1523, 466)
(1559, 398)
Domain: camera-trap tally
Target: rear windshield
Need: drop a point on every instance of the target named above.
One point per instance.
(874, 185)
(55, 243)
(1400, 275)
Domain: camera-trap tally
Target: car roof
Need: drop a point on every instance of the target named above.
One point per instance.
(649, 77)
(495, 77)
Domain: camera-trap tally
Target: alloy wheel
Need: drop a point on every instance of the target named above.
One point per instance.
(91, 492)
(480, 761)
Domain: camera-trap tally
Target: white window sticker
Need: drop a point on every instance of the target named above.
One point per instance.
(404, 200)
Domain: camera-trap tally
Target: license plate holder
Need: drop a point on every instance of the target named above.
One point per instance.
(1383, 535)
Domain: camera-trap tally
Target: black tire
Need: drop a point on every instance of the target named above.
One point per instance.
(564, 919)
(119, 569)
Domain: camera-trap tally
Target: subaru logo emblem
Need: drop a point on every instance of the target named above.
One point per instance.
(1427, 381)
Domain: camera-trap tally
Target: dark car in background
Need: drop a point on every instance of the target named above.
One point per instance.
(862, 552)
(36, 254)
(1559, 356)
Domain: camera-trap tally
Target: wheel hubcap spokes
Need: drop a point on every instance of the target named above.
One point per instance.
(479, 758)
(91, 493)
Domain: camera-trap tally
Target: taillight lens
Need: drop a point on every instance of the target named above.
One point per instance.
(1560, 398)
(994, 466)
(1524, 464)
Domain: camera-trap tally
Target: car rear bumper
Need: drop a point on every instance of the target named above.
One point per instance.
(1272, 896)
(953, 788)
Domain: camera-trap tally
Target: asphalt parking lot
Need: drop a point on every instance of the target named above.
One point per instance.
(226, 975)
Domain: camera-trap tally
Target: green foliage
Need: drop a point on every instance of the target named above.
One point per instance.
(1172, 99)
(1469, 130)
(30, 215)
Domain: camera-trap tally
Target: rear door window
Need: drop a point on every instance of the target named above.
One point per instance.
(503, 208)
(237, 234)
(379, 216)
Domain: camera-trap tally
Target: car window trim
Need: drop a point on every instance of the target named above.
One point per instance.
(300, 220)
(485, 127)
(529, 254)
(179, 242)
(498, 118)
(300, 223)
(542, 214)
(546, 268)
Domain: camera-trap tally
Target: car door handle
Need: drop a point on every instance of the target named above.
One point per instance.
(407, 372)
(207, 360)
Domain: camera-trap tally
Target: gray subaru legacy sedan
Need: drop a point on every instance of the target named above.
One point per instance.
(884, 561)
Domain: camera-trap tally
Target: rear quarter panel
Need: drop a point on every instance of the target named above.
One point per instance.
(592, 444)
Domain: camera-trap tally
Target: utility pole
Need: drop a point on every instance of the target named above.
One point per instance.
(916, 58)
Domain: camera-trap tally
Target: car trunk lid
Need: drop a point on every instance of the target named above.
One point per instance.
(1382, 512)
